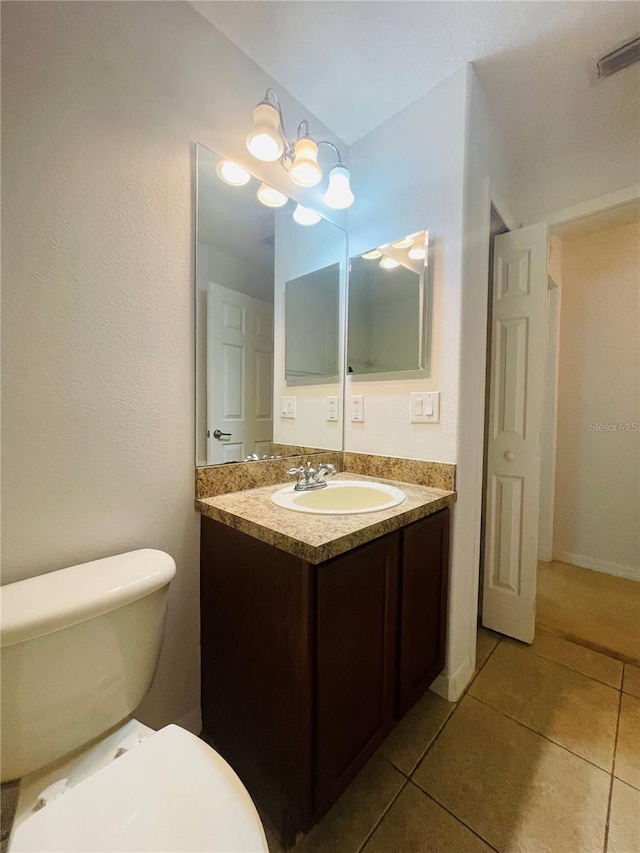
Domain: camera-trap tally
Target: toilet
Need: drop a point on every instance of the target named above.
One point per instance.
(79, 650)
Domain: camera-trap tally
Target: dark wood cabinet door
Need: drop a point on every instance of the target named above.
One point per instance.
(355, 662)
(423, 605)
(257, 608)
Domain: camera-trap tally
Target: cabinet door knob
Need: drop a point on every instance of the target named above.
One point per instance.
(509, 456)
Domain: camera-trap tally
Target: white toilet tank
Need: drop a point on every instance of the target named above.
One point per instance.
(79, 650)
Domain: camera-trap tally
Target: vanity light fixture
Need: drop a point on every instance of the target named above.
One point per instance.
(232, 173)
(417, 253)
(403, 244)
(268, 141)
(306, 216)
(265, 140)
(338, 194)
(305, 170)
(373, 255)
(270, 196)
(389, 263)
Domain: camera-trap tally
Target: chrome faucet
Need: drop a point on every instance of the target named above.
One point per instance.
(310, 477)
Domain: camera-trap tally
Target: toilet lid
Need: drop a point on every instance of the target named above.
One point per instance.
(171, 793)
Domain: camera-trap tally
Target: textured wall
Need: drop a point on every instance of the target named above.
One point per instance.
(100, 104)
(408, 176)
(597, 507)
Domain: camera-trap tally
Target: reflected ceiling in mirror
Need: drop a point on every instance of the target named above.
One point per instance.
(389, 309)
(245, 253)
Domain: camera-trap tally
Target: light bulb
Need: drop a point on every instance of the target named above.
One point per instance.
(373, 255)
(305, 170)
(338, 194)
(417, 253)
(403, 244)
(232, 173)
(389, 263)
(270, 196)
(265, 140)
(305, 216)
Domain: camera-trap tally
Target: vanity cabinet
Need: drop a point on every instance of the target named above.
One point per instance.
(423, 606)
(307, 667)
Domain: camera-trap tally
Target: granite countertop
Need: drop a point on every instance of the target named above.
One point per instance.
(317, 538)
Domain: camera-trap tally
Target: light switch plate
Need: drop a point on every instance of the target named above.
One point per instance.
(357, 408)
(288, 407)
(332, 408)
(424, 407)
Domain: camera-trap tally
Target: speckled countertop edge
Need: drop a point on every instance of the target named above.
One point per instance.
(317, 538)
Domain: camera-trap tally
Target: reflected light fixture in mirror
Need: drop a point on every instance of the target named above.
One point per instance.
(305, 216)
(268, 141)
(233, 174)
(389, 310)
(271, 197)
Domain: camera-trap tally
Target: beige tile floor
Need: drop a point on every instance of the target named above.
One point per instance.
(596, 609)
(541, 754)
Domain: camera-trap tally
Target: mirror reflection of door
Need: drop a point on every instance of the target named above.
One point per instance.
(234, 319)
(245, 253)
(239, 371)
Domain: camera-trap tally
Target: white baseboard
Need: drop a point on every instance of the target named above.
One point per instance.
(451, 687)
(191, 721)
(605, 566)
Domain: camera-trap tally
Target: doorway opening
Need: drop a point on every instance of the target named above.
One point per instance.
(585, 522)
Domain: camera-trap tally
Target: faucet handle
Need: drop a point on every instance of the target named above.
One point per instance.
(299, 473)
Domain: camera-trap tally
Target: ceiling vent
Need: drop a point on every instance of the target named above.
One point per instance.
(618, 59)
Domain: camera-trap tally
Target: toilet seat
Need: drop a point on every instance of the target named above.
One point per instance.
(170, 794)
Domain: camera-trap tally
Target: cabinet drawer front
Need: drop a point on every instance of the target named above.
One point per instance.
(423, 605)
(356, 654)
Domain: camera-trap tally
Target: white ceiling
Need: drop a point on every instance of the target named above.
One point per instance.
(355, 64)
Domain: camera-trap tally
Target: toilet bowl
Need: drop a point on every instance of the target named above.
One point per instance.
(79, 649)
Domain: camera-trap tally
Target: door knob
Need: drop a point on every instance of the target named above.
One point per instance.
(509, 456)
(220, 435)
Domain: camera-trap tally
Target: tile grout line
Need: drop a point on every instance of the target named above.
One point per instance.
(456, 705)
(433, 740)
(453, 815)
(486, 661)
(577, 671)
(613, 768)
(548, 739)
(382, 817)
(444, 722)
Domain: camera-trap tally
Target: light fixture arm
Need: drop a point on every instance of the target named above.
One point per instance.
(331, 145)
(303, 129)
(272, 99)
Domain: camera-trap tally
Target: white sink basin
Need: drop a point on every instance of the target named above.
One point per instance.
(340, 498)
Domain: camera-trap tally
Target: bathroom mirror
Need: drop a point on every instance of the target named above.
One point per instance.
(389, 310)
(312, 323)
(257, 271)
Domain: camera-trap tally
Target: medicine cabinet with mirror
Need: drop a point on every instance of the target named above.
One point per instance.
(270, 320)
(389, 310)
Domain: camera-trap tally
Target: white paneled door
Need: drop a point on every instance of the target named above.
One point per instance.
(517, 382)
(239, 375)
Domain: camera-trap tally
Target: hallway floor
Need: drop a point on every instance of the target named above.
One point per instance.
(599, 610)
(541, 754)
